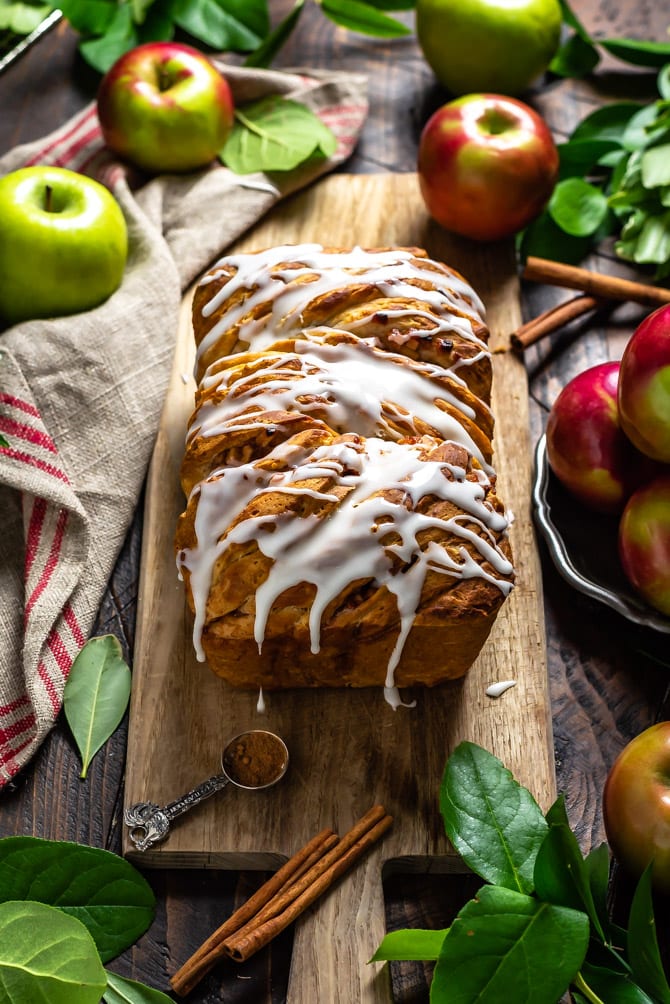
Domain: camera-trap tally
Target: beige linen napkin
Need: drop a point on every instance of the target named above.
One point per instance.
(81, 396)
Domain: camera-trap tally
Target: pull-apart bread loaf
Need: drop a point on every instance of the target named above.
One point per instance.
(342, 525)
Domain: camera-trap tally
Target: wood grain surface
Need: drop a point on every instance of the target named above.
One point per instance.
(608, 681)
(349, 749)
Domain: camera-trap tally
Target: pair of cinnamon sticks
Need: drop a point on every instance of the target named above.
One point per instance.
(596, 291)
(280, 900)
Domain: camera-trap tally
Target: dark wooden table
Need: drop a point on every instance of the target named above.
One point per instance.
(607, 678)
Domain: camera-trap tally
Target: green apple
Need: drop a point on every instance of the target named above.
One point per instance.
(63, 243)
(488, 45)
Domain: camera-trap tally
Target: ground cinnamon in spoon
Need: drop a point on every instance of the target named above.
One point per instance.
(254, 759)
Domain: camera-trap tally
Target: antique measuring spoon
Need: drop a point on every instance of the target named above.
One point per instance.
(252, 760)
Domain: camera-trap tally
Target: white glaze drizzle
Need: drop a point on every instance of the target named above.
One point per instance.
(347, 544)
(351, 542)
(499, 688)
(362, 390)
(257, 277)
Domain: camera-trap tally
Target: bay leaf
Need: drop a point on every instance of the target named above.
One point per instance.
(123, 991)
(275, 134)
(102, 890)
(96, 695)
(47, 957)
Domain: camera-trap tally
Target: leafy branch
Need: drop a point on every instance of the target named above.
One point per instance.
(65, 909)
(108, 28)
(540, 925)
(614, 178)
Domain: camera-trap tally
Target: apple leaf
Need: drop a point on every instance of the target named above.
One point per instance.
(220, 25)
(363, 17)
(574, 58)
(506, 946)
(3, 442)
(123, 991)
(96, 695)
(47, 956)
(273, 42)
(275, 134)
(414, 945)
(578, 207)
(105, 892)
(637, 52)
(610, 985)
(643, 951)
(493, 822)
(561, 876)
(23, 17)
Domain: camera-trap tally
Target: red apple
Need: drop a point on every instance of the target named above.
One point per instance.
(644, 386)
(165, 107)
(644, 542)
(636, 805)
(487, 165)
(586, 449)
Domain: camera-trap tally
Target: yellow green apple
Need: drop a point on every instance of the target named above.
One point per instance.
(488, 45)
(165, 107)
(63, 243)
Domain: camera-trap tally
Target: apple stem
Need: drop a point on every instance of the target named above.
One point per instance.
(48, 198)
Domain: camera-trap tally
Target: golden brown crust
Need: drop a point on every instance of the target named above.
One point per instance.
(283, 418)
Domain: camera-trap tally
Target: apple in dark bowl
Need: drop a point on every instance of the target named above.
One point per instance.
(586, 448)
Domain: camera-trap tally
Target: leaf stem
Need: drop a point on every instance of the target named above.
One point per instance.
(583, 987)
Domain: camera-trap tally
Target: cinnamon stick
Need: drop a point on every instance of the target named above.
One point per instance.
(597, 284)
(553, 319)
(289, 905)
(280, 900)
(199, 964)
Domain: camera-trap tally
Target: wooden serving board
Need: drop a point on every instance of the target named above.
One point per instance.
(348, 749)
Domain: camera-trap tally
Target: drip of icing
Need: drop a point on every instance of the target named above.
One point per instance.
(351, 542)
(498, 689)
(363, 390)
(259, 279)
(260, 705)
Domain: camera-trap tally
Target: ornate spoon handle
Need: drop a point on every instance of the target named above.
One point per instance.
(149, 823)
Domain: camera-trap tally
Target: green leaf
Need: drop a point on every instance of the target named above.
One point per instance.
(639, 131)
(577, 207)
(597, 864)
(363, 18)
(655, 166)
(105, 892)
(275, 134)
(493, 822)
(545, 239)
(561, 877)
(574, 58)
(651, 245)
(572, 21)
(3, 442)
(212, 22)
(411, 945)
(639, 53)
(122, 991)
(613, 987)
(22, 18)
(118, 37)
(47, 957)
(643, 951)
(96, 695)
(663, 82)
(607, 122)
(273, 42)
(504, 946)
(89, 17)
(579, 157)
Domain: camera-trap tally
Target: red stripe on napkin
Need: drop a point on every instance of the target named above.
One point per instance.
(51, 562)
(27, 458)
